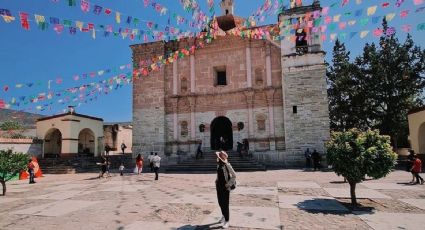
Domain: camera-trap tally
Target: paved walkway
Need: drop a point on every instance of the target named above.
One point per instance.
(281, 199)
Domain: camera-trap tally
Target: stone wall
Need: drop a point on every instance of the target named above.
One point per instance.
(27, 146)
(304, 86)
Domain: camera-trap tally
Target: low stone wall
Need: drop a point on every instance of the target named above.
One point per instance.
(28, 146)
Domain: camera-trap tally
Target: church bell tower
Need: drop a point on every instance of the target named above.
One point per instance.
(227, 6)
(306, 108)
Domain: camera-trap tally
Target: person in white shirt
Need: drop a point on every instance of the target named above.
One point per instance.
(150, 158)
(156, 164)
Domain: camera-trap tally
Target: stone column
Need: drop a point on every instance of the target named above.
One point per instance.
(248, 67)
(270, 100)
(192, 73)
(250, 103)
(175, 80)
(174, 102)
(192, 102)
(268, 66)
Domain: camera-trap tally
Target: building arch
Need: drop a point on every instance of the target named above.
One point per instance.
(421, 138)
(86, 142)
(221, 127)
(53, 143)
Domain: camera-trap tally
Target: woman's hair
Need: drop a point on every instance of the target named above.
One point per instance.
(139, 156)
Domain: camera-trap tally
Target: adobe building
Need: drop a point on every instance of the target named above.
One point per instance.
(272, 94)
(70, 134)
(116, 133)
(416, 118)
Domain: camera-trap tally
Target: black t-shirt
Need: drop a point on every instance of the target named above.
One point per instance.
(221, 180)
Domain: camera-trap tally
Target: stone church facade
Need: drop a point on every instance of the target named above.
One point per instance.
(259, 90)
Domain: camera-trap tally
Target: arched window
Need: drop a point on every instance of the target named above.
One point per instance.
(261, 122)
(183, 85)
(202, 128)
(183, 129)
(240, 126)
(259, 77)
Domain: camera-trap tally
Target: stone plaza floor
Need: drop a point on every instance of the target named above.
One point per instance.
(278, 199)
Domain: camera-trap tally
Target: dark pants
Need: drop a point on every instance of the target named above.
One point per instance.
(199, 152)
(308, 162)
(151, 165)
(223, 196)
(419, 179)
(121, 173)
(31, 172)
(316, 164)
(156, 169)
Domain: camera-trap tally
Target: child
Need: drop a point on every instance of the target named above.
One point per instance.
(416, 169)
(121, 169)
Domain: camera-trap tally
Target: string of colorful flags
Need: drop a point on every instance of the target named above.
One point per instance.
(59, 80)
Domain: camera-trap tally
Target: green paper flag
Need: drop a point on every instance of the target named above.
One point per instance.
(72, 3)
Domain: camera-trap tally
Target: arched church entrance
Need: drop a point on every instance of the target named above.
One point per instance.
(86, 141)
(221, 128)
(53, 143)
(421, 139)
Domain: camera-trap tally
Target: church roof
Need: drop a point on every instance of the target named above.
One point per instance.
(67, 114)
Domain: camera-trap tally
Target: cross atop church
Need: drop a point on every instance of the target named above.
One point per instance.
(227, 6)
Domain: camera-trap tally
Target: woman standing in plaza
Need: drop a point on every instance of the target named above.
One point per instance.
(225, 182)
(139, 163)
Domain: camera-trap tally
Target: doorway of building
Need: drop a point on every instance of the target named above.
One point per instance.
(53, 143)
(221, 128)
(86, 145)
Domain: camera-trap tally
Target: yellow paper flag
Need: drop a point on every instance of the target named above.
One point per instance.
(8, 19)
(390, 17)
(79, 25)
(337, 17)
(352, 22)
(364, 33)
(118, 17)
(371, 10)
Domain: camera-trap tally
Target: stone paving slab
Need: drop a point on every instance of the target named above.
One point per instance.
(158, 226)
(248, 217)
(64, 187)
(57, 208)
(311, 203)
(360, 193)
(419, 203)
(16, 189)
(392, 186)
(4, 200)
(126, 188)
(298, 184)
(61, 195)
(385, 221)
(255, 190)
(199, 199)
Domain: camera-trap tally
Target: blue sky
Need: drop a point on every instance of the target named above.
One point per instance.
(36, 56)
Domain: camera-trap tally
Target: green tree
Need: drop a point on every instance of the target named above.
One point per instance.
(11, 164)
(379, 88)
(13, 129)
(354, 155)
(346, 94)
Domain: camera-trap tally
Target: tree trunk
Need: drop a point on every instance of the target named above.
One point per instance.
(3, 183)
(353, 194)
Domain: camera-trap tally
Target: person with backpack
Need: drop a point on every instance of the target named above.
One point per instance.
(31, 171)
(225, 182)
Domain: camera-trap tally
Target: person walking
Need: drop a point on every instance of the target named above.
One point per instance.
(150, 159)
(123, 147)
(156, 164)
(307, 155)
(139, 163)
(411, 159)
(103, 167)
(416, 169)
(239, 147)
(31, 171)
(107, 149)
(121, 168)
(225, 182)
(199, 151)
(316, 160)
